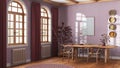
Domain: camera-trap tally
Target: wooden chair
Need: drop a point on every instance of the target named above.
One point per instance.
(95, 52)
(67, 52)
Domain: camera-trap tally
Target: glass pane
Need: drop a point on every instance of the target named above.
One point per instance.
(45, 14)
(20, 25)
(11, 25)
(17, 25)
(11, 32)
(42, 9)
(19, 10)
(20, 18)
(20, 31)
(14, 9)
(9, 9)
(11, 40)
(14, 4)
(42, 14)
(84, 19)
(17, 32)
(11, 17)
(17, 39)
(45, 33)
(20, 40)
(44, 26)
(44, 21)
(44, 38)
(17, 17)
(8, 16)
(18, 6)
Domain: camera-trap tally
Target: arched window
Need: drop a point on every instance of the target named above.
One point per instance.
(16, 24)
(45, 26)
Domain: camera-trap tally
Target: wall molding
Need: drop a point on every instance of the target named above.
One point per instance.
(28, 60)
(8, 64)
(111, 57)
(115, 57)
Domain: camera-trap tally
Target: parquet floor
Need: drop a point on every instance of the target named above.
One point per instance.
(80, 63)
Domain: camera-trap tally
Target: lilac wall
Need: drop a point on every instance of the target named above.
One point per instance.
(98, 10)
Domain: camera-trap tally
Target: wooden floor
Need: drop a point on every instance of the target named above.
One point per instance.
(81, 63)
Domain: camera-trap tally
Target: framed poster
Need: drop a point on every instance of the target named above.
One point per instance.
(89, 26)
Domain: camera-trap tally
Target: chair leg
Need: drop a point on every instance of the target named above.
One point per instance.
(63, 56)
(96, 58)
(88, 57)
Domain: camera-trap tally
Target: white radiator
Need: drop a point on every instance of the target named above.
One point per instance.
(45, 51)
(18, 56)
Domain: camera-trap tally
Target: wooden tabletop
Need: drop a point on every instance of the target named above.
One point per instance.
(90, 45)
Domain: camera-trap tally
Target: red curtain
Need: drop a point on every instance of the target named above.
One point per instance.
(3, 33)
(54, 31)
(35, 32)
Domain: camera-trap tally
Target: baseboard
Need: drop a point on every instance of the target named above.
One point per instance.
(115, 57)
(28, 60)
(8, 64)
(111, 57)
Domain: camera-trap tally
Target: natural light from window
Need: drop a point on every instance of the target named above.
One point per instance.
(45, 26)
(80, 26)
(17, 27)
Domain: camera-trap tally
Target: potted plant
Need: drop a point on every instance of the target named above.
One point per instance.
(64, 36)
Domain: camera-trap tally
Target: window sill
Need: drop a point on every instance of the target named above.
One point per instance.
(14, 46)
(46, 43)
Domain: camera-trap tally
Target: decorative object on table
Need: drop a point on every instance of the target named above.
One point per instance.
(112, 34)
(104, 39)
(112, 26)
(112, 12)
(64, 35)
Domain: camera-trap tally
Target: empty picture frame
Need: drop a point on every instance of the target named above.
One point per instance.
(90, 26)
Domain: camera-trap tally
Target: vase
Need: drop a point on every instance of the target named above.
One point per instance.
(103, 44)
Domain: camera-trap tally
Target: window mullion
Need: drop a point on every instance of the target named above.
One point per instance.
(47, 30)
(23, 29)
(14, 28)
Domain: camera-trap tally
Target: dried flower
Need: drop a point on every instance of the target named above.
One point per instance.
(104, 38)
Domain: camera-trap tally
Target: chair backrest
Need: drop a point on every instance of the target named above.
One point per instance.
(93, 50)
(67, 48)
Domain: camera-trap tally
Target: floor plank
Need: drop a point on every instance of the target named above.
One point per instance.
(80, 63)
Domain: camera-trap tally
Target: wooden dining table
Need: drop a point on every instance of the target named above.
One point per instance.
(106, 49)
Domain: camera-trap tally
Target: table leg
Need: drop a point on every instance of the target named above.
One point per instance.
(73, 49)
(75, 52)
(106, 55)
